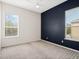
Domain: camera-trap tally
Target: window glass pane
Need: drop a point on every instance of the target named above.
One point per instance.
(10, 31)
(11, 20)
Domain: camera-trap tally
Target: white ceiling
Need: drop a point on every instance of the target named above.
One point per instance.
(31, 4)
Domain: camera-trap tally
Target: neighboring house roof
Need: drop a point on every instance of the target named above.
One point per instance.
(75, 21)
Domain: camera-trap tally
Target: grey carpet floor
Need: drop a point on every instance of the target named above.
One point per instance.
(38, 50)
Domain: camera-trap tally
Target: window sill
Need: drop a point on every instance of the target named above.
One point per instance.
(11, 36)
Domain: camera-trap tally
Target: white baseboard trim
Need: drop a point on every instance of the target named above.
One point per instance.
(61, 46)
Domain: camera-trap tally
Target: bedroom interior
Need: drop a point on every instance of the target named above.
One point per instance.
(32, 29)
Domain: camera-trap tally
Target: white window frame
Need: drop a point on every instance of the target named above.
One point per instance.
(12, 27)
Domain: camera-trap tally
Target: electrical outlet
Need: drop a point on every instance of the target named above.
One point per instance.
(46, 37)
(62, 41)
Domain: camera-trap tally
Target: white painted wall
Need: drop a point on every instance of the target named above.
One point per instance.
(0, 23)
(30, 25)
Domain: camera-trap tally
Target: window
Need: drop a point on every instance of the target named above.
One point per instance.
(72, 24)
(11, 26)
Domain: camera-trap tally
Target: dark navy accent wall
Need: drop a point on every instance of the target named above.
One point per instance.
(53, 24)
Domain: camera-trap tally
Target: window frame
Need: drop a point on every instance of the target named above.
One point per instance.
(12, 27)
